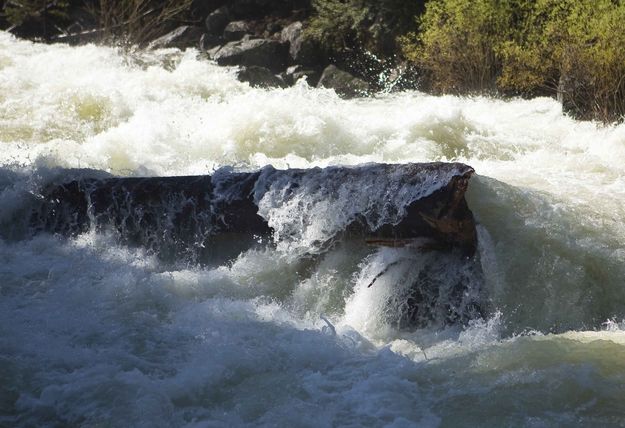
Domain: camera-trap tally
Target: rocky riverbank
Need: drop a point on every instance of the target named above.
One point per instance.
(267, 39)
(270, 44)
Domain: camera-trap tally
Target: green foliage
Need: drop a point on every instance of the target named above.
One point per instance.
(336, 23)
(572, 48)
(362, 24)
(529, 57)
(456, 40)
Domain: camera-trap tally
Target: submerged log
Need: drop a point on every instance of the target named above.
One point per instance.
(384, 204)
(212, 219)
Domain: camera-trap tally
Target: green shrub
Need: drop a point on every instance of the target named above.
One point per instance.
(371, 25)
(574, 49)
(455, 44)
(337, 24)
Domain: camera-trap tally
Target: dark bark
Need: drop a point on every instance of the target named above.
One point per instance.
(174, 213)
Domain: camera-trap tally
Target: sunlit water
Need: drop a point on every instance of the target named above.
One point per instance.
(96, 333)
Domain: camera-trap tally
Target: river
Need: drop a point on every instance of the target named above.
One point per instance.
(97, 333)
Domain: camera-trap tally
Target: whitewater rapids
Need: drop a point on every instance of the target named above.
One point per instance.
(97, 333)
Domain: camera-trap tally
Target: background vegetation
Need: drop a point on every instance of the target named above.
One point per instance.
(570, 49)
(361, 36)
(133, 21)
(40, 13)
(573, 49)
(369, 24)
(138, 21)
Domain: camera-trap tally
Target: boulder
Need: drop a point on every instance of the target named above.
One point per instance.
(216, 21)
(199, 9)
(296, 72)
(343, 83)
(302, 49)
(209, 41)
(270, 54)
(291, 32)
(235, 30)
(212, 52)
(260, 77)
(181, 37)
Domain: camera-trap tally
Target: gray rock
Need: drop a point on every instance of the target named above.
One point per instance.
(209, 41)
(291, 32)
(270, 54)
(288, 74)
(235, 30)
(343, 83)
(260, 77)
(296, 72)
(181, 37)
(302, 49)
(217, 20)
(312, 76)
(213, 51)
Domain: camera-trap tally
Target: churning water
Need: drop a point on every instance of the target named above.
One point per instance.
(94, 332)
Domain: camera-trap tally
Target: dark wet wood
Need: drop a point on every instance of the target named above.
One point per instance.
(212, 219)
(190, 211)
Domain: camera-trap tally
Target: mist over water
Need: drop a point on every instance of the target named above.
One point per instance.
(95, 332)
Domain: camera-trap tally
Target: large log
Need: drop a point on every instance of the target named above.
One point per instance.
(210, 219)
(172, 214)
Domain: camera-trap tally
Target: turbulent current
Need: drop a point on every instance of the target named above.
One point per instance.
(95, 331)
